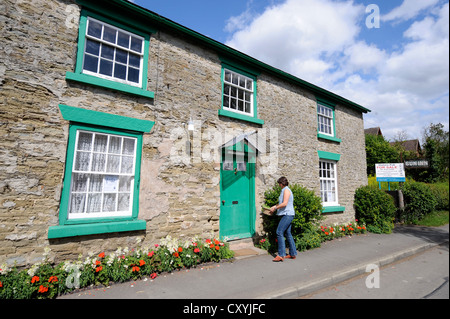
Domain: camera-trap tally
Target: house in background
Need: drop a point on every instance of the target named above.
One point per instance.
(412, 146)
(118, 124)
(373, 131)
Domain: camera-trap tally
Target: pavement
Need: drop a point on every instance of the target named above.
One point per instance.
(253, 275)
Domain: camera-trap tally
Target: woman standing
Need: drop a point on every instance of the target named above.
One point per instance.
(286, 210)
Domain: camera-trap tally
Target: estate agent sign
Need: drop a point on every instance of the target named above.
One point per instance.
(390, 172)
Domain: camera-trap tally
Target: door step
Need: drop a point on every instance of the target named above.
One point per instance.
(244, 248)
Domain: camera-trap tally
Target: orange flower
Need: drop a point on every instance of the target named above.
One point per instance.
(180, 249)
(208, 241)
(326, 233)
(141, 262)
(42, 289)
(135, 268)
(216, 242)
(217, 247)
(99, 268)
(97, 262)
(101, 255)
(34, 279)
(176, 255)
(53, 279)
(211, 246)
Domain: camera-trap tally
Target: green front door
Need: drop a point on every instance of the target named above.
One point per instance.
(237, 194)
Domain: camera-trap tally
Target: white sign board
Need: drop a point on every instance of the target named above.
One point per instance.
(390, 172)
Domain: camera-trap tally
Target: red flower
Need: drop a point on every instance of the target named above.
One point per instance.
(217, 247)
(176, 255)
(99, 268)
(326, 233)
(196, 250)
(97, 262)
(53, 279)
(34, 279)
(153, 276)
(180, 249)
(150, 254)
(211, 246)
(135, 268)
(141, 262)
(208, 241)
(42, 289)
(101, 255)
(1, 285)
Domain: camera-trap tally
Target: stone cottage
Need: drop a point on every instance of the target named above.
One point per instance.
(118, 124)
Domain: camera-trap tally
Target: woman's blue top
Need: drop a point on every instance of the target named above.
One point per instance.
(289, 209)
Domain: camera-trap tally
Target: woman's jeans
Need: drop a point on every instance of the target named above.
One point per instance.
(284, 228)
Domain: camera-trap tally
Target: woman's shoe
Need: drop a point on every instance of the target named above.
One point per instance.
(278, 258)
(290, 257)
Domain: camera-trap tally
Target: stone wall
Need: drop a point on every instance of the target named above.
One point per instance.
(177, 197)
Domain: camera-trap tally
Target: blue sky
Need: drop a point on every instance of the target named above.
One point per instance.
(399, 70)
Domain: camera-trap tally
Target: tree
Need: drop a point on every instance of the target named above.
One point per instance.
(437, 151)
(378, 150)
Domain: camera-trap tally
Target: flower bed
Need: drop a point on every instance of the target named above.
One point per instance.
(43, 280)
(312, 238)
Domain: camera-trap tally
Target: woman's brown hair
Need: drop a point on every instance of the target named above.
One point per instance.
(283, 181)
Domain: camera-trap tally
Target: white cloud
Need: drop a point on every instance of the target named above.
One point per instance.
(288, 35)
(408, 10)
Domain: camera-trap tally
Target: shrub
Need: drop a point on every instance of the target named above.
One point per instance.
(441, 194)
(375, 209)
(419, 201)
(309, 239)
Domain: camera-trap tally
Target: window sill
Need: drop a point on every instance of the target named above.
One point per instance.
(329, 138)
(333, 209)
(240, 117)
(92, 229)
(92, 80)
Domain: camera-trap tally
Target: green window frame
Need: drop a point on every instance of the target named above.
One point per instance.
(329, 133)
(329, 161)
(105, 124)
(110, 83)
(243, 73)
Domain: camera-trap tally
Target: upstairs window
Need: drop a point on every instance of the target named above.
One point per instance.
(238, 92)
(325, 120)
(112, 53)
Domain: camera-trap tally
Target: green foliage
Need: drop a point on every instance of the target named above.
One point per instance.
(375, 209)
(309, 239)
(378, 150)
(441, 194)
(419, 201)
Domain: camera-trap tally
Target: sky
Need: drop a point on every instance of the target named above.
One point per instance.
(390, 56)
